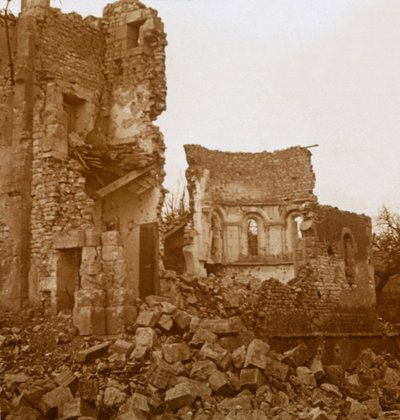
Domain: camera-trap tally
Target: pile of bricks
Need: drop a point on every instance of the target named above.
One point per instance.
(171, 364)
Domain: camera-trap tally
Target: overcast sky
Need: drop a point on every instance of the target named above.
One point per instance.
(254, 75)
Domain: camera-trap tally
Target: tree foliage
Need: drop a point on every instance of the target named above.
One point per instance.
(175, 206)
(387, 246)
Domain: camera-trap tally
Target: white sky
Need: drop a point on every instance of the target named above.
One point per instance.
(253, 75)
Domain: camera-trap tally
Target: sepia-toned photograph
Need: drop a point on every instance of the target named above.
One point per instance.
(199, 209)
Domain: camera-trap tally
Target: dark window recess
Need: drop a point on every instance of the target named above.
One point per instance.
(349, 262)
(73, 109)
(68, 277)
(132, 35)
(252, 237)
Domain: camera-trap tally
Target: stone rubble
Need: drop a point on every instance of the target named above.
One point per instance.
(180, 361)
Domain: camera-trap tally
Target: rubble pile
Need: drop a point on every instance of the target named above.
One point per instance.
(181, 360)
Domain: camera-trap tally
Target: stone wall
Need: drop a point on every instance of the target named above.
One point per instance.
(230, 190)
(85, 156)
(255, 216)
(263, 178)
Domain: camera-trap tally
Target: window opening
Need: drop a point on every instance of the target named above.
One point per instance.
(348, 257)
(252, 237)
(133, 32)
(298, 221)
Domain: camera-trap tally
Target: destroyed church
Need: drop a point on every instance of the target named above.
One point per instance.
(81, 189)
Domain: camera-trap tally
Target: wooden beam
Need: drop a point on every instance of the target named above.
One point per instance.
(120, 182)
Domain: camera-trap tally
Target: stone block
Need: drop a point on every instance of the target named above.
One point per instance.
(317, 368)
(21, 412)
(90, 297)
(202, 336)
(52, 403)
(221, 327)
(391, 377)
(112, 253)
(231, 300)
(334, 374)
(111, 237)
(297, 356)
(251, 379)
(135, 16)
(69, 240)
(92, 238)
(161, 375)
(318, 414)
(256, 354)
(89, 253)
(93, 352)
(118, 318)
(122, 347)
(276, 369)
(88, 389)
(231, 343)
(220, 384)
(78, 408)
(96, 282)
(177, 352)
(90, 320)
(146, 337)
(202, 369)
(332, 390)
(373, 407)
(113, 397)
(120, 297)
(165, 322)
(354, 410)
(217, 354)
(135, 408)
(239, 357)
(90, 268)
(243, 402)
(67, 379)
(148, 319)
(352, 381)
(305, 376)
(182, 320)
(198, 389)
(179, 396)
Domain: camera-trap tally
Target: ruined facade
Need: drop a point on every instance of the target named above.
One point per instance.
(255, 215)
(81, 165)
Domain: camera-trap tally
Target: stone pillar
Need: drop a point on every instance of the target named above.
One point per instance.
(104, 305)
(28, 4)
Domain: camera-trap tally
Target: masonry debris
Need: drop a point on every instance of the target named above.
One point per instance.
(182, 361)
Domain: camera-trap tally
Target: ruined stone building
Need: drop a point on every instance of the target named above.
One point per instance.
(81, 164)
(255, 214)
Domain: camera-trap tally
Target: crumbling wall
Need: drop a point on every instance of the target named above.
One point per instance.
(86, 157)
(69, 73)
(353, 284)
(262, 178)
(15, 158)
(230, 190)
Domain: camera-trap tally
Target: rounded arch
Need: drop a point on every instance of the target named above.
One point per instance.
(349, 249)
(293, 221)
(253, 238)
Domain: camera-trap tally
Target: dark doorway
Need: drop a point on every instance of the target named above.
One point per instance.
(69, 261)
(148, 259)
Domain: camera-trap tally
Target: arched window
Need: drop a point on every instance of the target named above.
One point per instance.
(252, 237)
(298, 220)
(348, 247)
